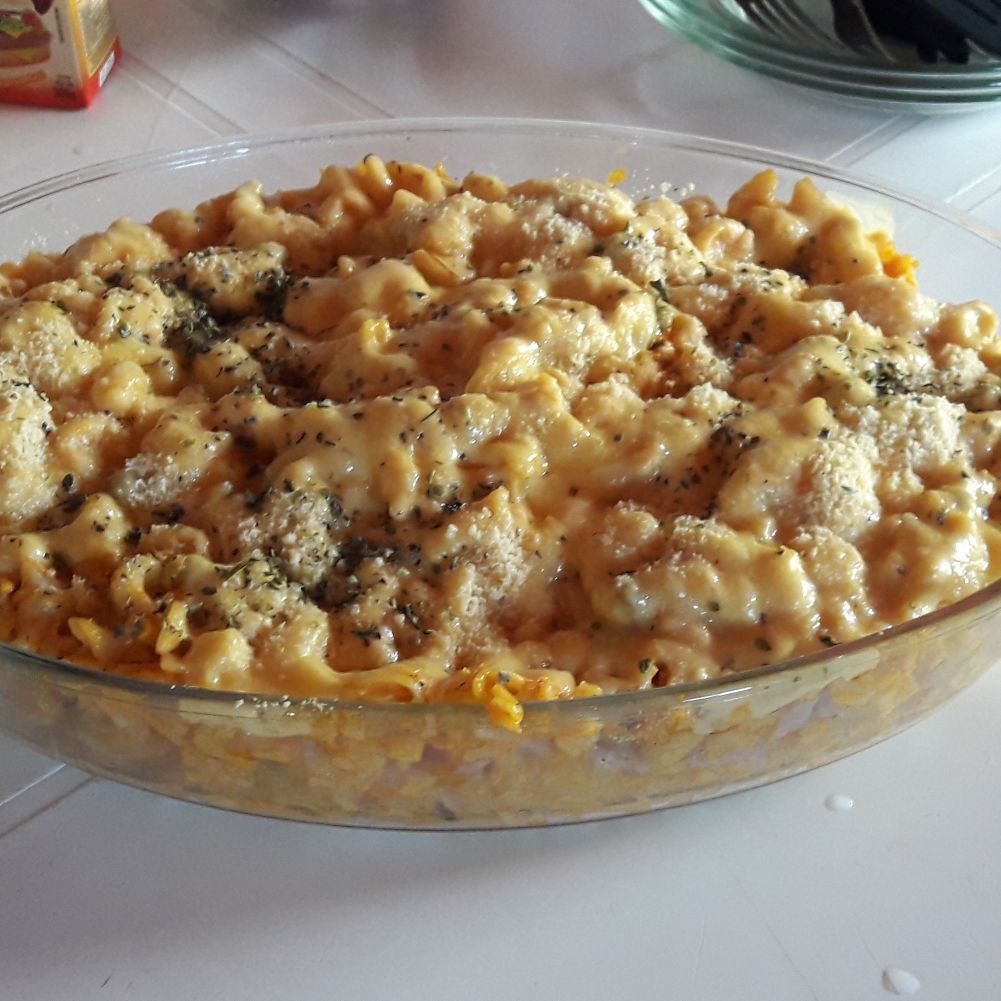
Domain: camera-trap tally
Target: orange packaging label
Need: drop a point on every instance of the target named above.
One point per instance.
(56, 53)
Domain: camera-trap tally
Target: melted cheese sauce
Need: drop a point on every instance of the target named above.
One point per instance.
(397, 437)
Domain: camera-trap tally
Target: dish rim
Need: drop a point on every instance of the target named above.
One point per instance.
(225, 701)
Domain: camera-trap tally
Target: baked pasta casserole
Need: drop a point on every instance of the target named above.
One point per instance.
(398, 437)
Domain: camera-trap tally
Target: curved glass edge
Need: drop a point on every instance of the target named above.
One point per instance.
(214, 702)
(848, 80)
(688, 18)
(631, 136)
(527, 819)
(596, 765)
(852, 82)
(725, 17)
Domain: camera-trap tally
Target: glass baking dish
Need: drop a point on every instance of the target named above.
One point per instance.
(447, 766)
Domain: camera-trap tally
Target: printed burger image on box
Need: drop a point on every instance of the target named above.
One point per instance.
(56, 53)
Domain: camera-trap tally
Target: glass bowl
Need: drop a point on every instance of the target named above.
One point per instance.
(723, 28)
(446, 766)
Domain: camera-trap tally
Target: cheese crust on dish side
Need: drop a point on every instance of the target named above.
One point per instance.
(398, 437)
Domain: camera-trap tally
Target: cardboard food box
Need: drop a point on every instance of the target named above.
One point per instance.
(56, 53)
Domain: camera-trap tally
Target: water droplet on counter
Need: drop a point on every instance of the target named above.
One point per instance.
(839, 802)
(900, 981)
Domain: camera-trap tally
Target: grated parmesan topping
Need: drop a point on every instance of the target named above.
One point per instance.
(399, 437)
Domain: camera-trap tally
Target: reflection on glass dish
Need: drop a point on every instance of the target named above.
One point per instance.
(724, 28)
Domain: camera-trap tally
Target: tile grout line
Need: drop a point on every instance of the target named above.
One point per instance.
(34, 783)
(860, 149)
(338, 90)
(177, 97)
(44, 807)
(978, 199)
(289, 61)
(880, 136)
(859, 142)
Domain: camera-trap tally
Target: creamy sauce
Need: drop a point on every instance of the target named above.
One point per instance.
(397, 437)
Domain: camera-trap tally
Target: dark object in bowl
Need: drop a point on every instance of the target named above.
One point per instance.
(919, 25)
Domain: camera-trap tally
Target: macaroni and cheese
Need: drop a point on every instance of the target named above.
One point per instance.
(398, 437)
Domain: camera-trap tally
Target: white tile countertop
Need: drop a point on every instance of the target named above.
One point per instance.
(880, 870)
